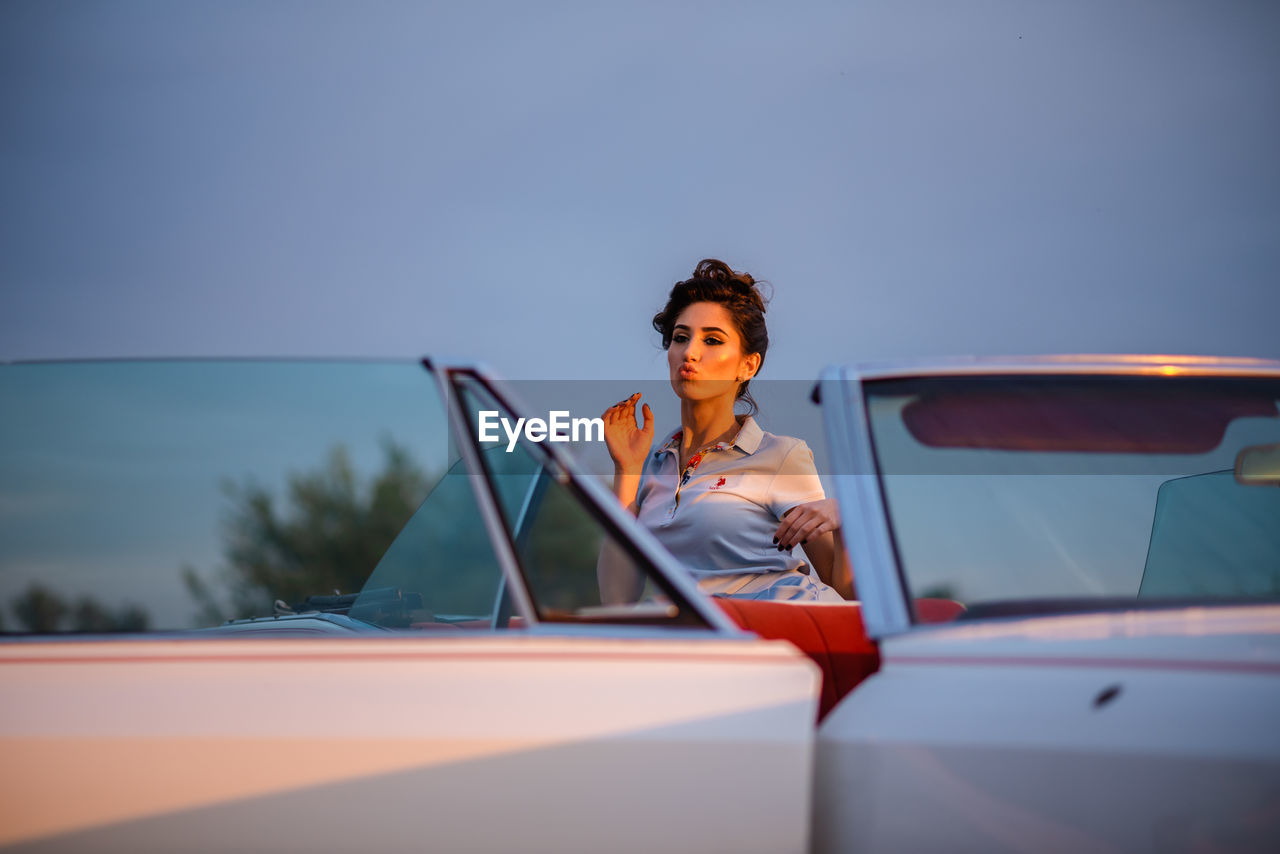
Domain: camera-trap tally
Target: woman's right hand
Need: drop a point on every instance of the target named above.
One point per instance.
(628, 444)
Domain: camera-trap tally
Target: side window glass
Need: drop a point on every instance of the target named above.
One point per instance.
(564, 551)
(441, 571)
(1214, 537)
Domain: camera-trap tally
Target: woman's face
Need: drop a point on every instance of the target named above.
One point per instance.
(705, 357)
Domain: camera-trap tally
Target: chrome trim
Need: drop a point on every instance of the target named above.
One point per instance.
(867, 537)
(536, 488)
(1066, 365)
(499, 539)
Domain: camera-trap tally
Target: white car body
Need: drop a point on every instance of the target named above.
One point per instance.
(1147, 731)
(217, 745)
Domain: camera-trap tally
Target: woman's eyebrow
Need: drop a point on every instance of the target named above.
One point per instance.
(704, 329)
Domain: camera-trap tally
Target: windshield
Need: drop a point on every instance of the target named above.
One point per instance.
(308, 497)
(1008, 493)
(176, 495)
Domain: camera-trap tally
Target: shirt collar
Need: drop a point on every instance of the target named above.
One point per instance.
(750, 436)
(748, 439)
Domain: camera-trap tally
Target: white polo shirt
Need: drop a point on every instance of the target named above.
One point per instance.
(719, 515)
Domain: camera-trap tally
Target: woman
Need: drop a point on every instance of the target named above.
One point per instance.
(729, 500)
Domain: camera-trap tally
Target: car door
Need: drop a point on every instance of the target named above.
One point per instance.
(284, 606)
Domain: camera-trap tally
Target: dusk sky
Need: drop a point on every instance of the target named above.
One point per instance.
(522, 182)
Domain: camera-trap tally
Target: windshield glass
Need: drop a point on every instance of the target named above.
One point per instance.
(440, 570)
(1011, 492)
(176, 495)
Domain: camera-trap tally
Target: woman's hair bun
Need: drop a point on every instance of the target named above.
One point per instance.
(715, 270)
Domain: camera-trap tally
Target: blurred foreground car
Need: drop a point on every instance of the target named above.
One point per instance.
(300, 606)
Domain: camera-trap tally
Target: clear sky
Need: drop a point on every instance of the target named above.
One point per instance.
(521, 182)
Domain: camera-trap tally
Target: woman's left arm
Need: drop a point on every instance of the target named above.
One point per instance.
(814, 525)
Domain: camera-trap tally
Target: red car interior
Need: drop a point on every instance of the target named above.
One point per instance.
(832, 635)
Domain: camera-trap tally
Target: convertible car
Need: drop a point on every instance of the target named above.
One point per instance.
(303, 606)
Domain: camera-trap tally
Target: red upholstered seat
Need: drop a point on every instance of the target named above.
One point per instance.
(831, 635)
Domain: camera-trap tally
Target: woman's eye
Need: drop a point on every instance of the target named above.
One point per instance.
(679, 338)
(711, 339)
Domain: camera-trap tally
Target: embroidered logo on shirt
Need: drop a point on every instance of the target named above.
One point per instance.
(696, 460)
(693, 463)
(719, 483)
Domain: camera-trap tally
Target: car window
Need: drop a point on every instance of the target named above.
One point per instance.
(1214, 537)
(178, 495)
(559, 542)
(1010, 491)
(441, 571)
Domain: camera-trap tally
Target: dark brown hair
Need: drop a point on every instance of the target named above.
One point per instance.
(714, 281)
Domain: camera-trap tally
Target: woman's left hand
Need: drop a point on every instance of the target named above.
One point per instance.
(807, 520)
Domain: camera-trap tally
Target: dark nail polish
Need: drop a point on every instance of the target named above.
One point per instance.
(802, 542)
(775, 541)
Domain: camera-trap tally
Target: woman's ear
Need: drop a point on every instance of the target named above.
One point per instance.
(750, 364)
